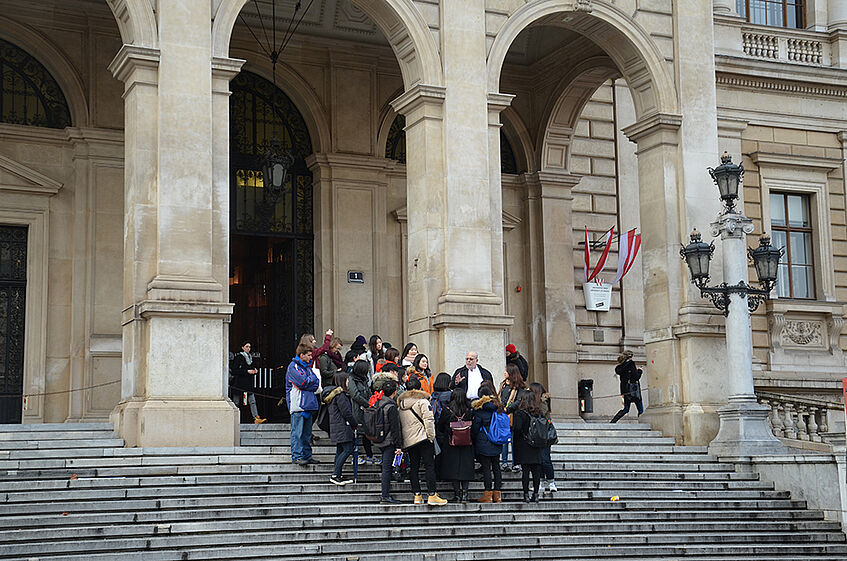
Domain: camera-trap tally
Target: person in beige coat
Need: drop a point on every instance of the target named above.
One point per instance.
(418, 427)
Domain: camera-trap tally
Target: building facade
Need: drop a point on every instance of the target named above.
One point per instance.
(450, 155)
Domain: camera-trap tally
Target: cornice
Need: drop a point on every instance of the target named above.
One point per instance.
(665, 122)
(418, 95)
(131, 57)
(793, 161)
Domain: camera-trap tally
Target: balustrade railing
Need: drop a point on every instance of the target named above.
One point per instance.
(797, 417)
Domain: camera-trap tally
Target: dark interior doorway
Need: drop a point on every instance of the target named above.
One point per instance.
(272, 238)
(13, 257)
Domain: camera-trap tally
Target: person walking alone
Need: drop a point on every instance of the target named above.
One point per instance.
(630, 387)
(243, 371)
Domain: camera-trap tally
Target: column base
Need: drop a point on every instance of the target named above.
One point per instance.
(175, 422)
(665, 418)
(744, 430)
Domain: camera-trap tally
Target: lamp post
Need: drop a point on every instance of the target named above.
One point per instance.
(744, 428)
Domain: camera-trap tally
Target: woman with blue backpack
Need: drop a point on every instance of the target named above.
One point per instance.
(490, 430)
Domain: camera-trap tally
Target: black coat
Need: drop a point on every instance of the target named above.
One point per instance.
(524, 453)
(341, 420)
(243, 381)
(461, 374)
(456, 463)
(629, 374)
(360, 392)
(394, 437)
(518, 360)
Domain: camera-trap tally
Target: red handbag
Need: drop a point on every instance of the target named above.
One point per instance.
(460, 431)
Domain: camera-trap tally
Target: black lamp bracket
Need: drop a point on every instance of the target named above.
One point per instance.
(719, 295)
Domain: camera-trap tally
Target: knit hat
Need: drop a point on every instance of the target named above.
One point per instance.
(359, 343)
(511, 349)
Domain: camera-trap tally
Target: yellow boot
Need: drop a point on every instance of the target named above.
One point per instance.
(487, 497)
(258, 420)
(434, 499)
(496, 497)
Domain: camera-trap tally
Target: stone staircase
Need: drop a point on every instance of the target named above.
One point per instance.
(72, 492)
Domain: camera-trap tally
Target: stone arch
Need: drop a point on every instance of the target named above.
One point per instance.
(301, 93)
(136, 21)
(627, 44)
(573, 92)
(56, 63)
(399, 20)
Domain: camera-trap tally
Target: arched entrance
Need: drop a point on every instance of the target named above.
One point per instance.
(271, 236)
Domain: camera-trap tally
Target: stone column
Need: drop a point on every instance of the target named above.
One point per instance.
(453, 208)
(176, 310)
(744, 428)
(837, 25)
(553, 296)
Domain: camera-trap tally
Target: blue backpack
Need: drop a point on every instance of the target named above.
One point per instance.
(499, 432)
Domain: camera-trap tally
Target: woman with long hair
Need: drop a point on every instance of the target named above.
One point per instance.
(420, 370)
(408, 355)
(342, 426)
(375, 347)
(360, 393)
(512, 389)
(457, 464)
(548, 475)
(529, 457)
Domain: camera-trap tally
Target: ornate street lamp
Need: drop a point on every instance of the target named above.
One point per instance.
(744, 428)
(697, 254)
(727, 177)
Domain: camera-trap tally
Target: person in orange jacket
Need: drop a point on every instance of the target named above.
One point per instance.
(420, 370)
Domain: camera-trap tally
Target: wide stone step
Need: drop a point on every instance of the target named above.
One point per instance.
(510, 547)
(57, 427)
(56, 435)
(20, 445)
(305, 516)
(357, 539)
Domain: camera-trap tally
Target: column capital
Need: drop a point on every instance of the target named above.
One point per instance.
(420, 95)
(131, 58)
(226, 68)
(497, 101)
(666, 124)
(731, 128)
(732, 225)
(548, 184)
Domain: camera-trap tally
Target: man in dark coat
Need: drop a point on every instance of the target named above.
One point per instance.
(471, 376)
(514, 357)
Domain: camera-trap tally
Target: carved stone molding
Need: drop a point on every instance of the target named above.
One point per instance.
(804, 337)
(803, 332)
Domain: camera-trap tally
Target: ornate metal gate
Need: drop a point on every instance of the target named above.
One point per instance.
(12, 316)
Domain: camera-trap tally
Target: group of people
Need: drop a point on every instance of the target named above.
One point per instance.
(450, 426)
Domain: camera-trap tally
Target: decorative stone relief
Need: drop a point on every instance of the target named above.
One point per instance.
(582, 5)
(803, 332)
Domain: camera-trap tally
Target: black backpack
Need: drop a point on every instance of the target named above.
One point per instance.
(374, 423)
(541, 433)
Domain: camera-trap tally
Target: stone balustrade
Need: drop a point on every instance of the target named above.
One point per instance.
(738, 39)
(804, 50)
(798, 417)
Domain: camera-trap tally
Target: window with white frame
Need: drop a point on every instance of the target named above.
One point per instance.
(791, 228)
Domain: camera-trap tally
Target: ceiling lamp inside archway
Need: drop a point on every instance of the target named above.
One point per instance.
(275, 162)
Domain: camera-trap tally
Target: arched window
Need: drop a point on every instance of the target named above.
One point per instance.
(28, 93)
(395, 146)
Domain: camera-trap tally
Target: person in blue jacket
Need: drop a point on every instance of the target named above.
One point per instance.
(301, 383)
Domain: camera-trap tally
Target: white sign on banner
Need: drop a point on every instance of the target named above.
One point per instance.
(598, 297)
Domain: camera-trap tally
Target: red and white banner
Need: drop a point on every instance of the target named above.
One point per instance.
(601, 264)
(628, 246)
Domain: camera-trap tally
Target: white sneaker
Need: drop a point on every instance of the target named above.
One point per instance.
(339, 481)
(552, 487)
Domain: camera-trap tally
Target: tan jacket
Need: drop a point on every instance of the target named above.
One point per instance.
(413, 430)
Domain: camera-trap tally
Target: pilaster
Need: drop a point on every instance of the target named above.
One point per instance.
(553, 297)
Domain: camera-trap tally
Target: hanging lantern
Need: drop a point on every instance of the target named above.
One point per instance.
(275, 167)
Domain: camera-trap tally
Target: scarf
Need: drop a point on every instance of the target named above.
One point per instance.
(248, 358)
